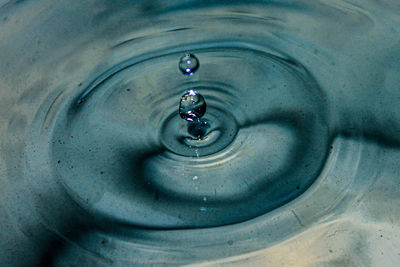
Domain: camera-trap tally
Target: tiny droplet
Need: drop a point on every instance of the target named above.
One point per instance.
(189, 64)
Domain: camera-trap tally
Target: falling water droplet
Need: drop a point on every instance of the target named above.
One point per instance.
(189, 64)
(192, 106)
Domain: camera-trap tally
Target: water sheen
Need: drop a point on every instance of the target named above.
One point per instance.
(117, 148)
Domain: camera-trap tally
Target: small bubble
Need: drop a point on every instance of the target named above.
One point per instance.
(189, 64)
(204, 199)
(195, 177)
(192, 106)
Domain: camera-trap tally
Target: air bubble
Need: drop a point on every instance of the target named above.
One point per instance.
(189, 64)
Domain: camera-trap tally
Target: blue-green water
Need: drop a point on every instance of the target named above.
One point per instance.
(177, 132)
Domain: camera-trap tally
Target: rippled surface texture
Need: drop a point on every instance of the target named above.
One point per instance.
(298, 163)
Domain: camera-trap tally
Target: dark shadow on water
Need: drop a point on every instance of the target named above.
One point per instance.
(305, 127)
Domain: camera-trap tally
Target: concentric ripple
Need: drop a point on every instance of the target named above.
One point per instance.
(266, 144)
(94, 142)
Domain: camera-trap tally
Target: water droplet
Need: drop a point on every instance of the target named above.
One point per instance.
(195, 177)
(189, 64)
(192, 106)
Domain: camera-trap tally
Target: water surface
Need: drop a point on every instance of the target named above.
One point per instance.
(297, 159)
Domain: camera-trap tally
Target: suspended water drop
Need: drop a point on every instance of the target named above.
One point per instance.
(192, 106)
(189, 64)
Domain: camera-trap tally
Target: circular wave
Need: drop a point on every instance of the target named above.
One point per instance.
(111, 169)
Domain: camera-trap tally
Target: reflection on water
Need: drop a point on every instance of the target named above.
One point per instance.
(295, 161)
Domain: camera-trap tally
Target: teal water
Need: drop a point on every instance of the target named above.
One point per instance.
(104, 163)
